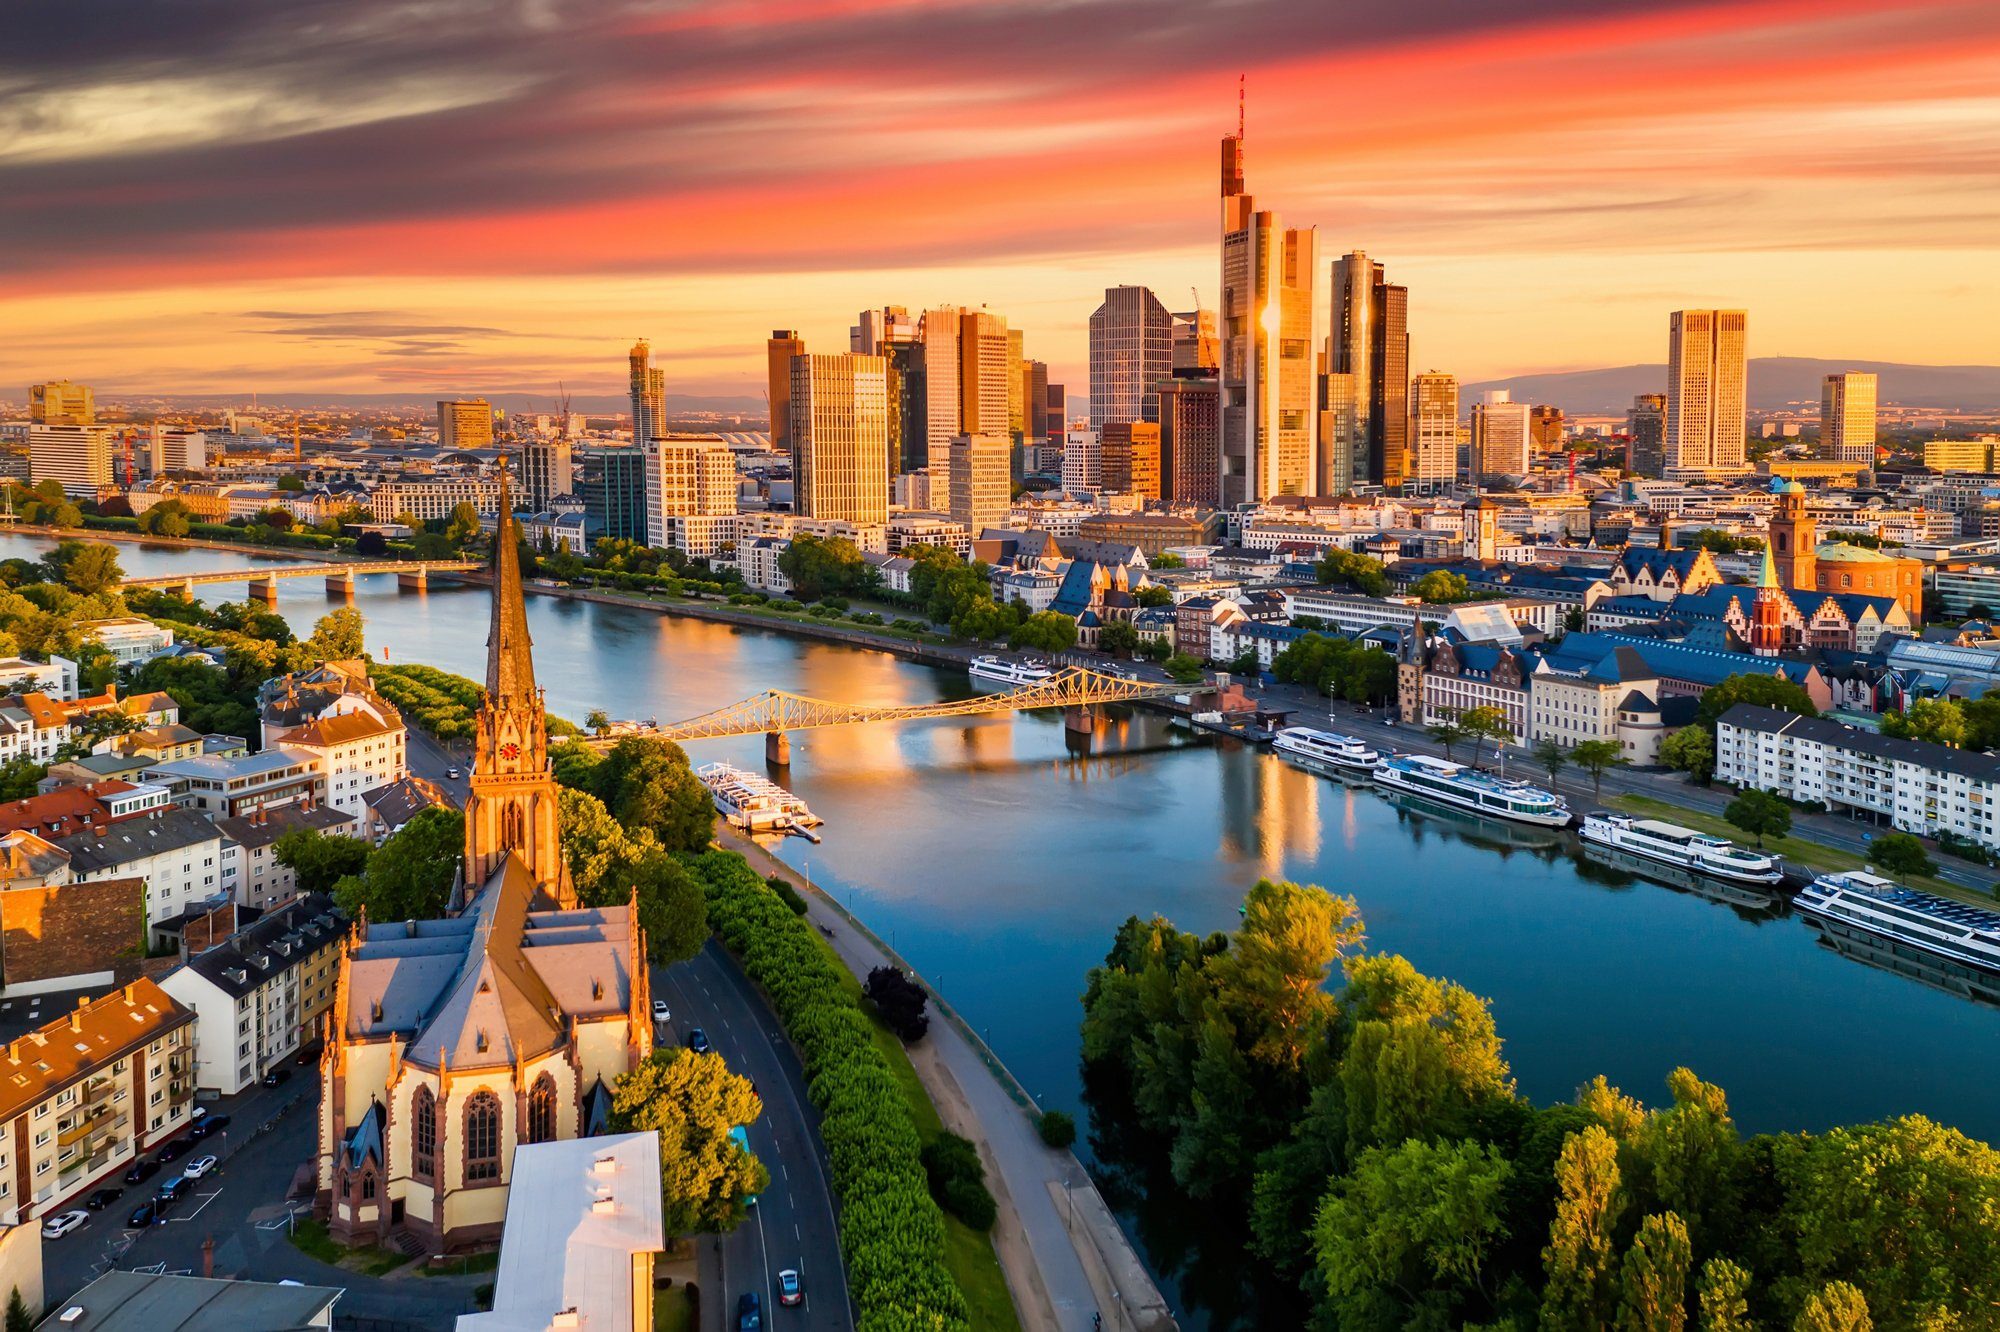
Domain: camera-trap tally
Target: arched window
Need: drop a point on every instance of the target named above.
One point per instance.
(423, 1134)
(542, 1110)
(511, 828)
(368, 1186)
(482, 1137)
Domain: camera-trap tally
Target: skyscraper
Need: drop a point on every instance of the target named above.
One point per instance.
(979, 486)
(690, 494)
(649, 394)
(1847, 417)
(465, 423)
(1196, 347)
(615, 494)
(874, 330)
(785, 344)
(1035, 384)
(1057, 421)
(1131, 457)
(78, 456)
(60, 402)
(1191, 440)
(1369, 337)
(1434, 421)
(1270, 427)
(939, 334)
(1705, 391)
(1646, 427)
(548, 469)
(1017, 386)
(1131, 353)
(1500, 437)
(1340, 425)
(982, 374)
(840, 437)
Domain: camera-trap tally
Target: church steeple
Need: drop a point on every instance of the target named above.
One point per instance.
(510, 666)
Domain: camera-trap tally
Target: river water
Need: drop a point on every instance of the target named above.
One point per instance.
(1000, 863)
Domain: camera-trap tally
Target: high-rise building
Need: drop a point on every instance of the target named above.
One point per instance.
(1057, 421)
(1131, 353)
(1545, 428)
(939, 334)
(78, 456)
(1017, 386)
(690, 494)
(1646, 429)
(1131, 457)
(1434, 431)
(170, 450)
(465, 423)
(840, 437)
(649, 394)
(980, 488)
(1270, 421)
(1083, 462)
(1339, 420)
(1035, 384)
(1847, 417)
(890, 326)
(1500, 438)
(614, 495)
(1196, 348)
(1705, 391)
(785, 344)
(1191, 440)
(548, 469)
(1369, 338)
(982, 374)
(60, 402)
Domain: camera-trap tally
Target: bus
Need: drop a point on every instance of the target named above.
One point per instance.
(741, 1137)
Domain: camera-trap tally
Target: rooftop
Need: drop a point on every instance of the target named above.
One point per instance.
(96, 1034)
(154, 1302)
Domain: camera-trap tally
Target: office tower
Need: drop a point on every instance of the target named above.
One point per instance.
(1130, 452)
(1083, 462)
(840, 437)
(60, 402)
(909, 443)
(465, 423)
(939, 334)
(1646, 429)
(78, 456)
(649, 394)
(1545, 428)
(548, 469)
(614, 495)
(1270, 425)
(1196, 348)
(980, 489)
(1131, 352)
(690, 494)
(1500, 439)
(1369, 338)
(1017, 386)
(1847, 417)
(1191, 440)
(1035, 384)
(875, 330)
(982, 374)
(1339, 420)
(170, 450)
(1705, 391)
(785, 344)
(1434, 431)
(1057, 419)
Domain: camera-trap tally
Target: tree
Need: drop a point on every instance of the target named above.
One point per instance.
(1153, 595)
(1183, 669)
(338, 636)
(1364, 573)
(84, 567)
(462, 528)
(1552, 757)
(1580, 1254)
(1598, 757)
(597, 721)
(824, 566)
(1423, 1058)
(1449, 732)
(1051, 631)
(1764, 691)
(957, 1179)
(1574, 620)
(608, 866)
(692, 1101)
(409, 876)
(1166, 559)
(1725, 1297)
(900, 1001)
(20, 778)
(1937, 720)
(1057, 1129)
(19, 1319)
(1655, 1277)
(1441, 587)
(291, 481)
(1118, 638)
(1691, 749)
(318, 860)
(1834, 1307)
(1900, 856)
(1486, 723)
(648, 784)
(1760, 813)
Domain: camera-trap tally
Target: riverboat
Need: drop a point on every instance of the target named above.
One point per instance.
(1468, 788)
(1862, 906)
(755, 803)
(1682, 848)
(1621, 867)
(1002, 671)
(1314, 748)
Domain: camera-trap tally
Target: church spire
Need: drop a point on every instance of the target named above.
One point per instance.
(510, 669)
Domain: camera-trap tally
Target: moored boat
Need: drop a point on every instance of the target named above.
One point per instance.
(1001, 670)
(755, 803)
(1682, 848)
(1468, 788)
(1315, 748)
(1857, 905)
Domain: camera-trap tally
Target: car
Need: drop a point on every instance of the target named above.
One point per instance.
(198, 1167)
(276, 1076)
(749, 1312)
(698, 1041)
(741, 1137)
(58, 1226)
(451, 773)
(173, 1190)
(209, 1124)
(789, 1291)
(102, 1199)
(198, 1114)
(660, 1013)
(174, 1150)
(141, 1171)
(145, 1214)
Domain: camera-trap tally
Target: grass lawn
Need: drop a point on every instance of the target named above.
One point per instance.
(1797, 850)
(463, 1265)
(671, 1312)
(312, 1240)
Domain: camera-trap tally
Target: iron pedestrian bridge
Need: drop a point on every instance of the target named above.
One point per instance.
(774, 712)
(263, 581)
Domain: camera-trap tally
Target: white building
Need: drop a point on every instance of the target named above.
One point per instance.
(691, 489)
(55, 677)
(128, 639)
(1500, 439)
(78, 456)
(355, 751)
(176, 851)
(170, 450)
(433, 500)
(757, 558)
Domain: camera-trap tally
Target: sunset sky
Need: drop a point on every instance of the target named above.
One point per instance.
(433, 195)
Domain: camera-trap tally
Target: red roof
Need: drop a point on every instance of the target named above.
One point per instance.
(65, 810)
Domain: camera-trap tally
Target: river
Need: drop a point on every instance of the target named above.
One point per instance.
(999, 864)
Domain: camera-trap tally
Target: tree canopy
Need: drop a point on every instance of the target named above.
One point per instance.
(692, 1101)
(1764, 691)
(409, 876)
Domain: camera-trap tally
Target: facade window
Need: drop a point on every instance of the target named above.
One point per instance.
(368, 1187)
(542, 1110)
(482, 1137)
(423, 1134)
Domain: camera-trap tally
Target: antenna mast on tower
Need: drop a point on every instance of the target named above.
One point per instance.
(1239, 104)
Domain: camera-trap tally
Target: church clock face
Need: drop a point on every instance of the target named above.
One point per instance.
(510, 751)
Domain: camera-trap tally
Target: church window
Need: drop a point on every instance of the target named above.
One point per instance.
(542, 1110)
(511, 836)
(482, 1137)
(368, 1187)
(423, 1134)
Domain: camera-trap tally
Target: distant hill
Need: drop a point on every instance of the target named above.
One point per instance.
(1775, 381)
(596, 404)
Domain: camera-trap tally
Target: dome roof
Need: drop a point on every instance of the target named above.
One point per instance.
(1840, 552)
(1780, 486)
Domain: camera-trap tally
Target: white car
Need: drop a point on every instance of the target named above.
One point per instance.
(660, 1013)
(58, 1226)
(198, 1167)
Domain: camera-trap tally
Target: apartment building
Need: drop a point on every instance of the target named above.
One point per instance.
(430, 501)
(251, 871)
(176, 852)
(227, 786)
(355, 752)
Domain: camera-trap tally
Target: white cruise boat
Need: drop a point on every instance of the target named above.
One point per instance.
(754, 802)
(1860, 906)
(1455, 784)
(1315, 748)
(999, 670)
(1683, 848)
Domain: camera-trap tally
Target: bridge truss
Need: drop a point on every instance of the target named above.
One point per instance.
(262, 573)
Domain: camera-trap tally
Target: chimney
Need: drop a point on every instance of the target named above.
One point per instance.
(208, 1256)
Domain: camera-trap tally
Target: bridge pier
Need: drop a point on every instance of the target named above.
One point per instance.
(1081, 719)
(187, 590)
(777, 749)
(418, 581)
(340, 585)
(264, 590)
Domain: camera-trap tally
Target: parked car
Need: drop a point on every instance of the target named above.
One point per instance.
(145, 1214)
(174, 1150)
(698, 1041)
(141, 1171)
(198, 1167)
(58, 1226)
(749, 1313)
(173, 1190)
(102, 1198)
(276, 1076)
(789, 1292)
(660, 1013)
(210, 1124)
(199, 1113)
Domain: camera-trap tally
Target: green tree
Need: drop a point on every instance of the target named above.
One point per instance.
(1552, 757)
(1486, 723)
(1691, 749)
(1655, 1277)
(20, 778)
(608, 865)
(1166, 559)
(1450, 732)
(1363, 573)
(1153, 596)
(648, 784)
(1725, 1297)
(84, 567)
(67, 515)
(1598, 757)
(291, 482)
(824, 567)
(1441, 587)
(1052, 631)
(1937, 720)
(1422, 1055)
(320, 860)
(1900, 856)
(338, 635)
(1118, 638)
(692, 1101)
(1581, 1253)
(1759, 813)
(462, 528)
(409, 876)
(1764, 691)
(1836, 1307)
(943, 584)
(597, 722)
(19, 1319)
(1183, 669)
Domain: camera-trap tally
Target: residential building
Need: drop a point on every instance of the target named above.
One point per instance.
(1131, 355)
(355, 751)
(433, 500)
(1131, 457)
(1083, 462)
(388, 808)
(1370, 339)
(85, 1095)
(980, 485)
(259, 996)
(614, 495)
(1270, 424)
(153, 1301)
(60, 402)
(465, 423)
(648, 389)
(229, 786)
(548, 470)
(57, 934)
(839, 435)
(1434, 431)
(76, 456)
(176, 853)
(691, 493)
(1190, 441)
(757, 560)
(927, 529)
(1500, 437)
(170, 450)
(1706, 392)
(55, 677)
(1847, 417)
(1646, 429)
